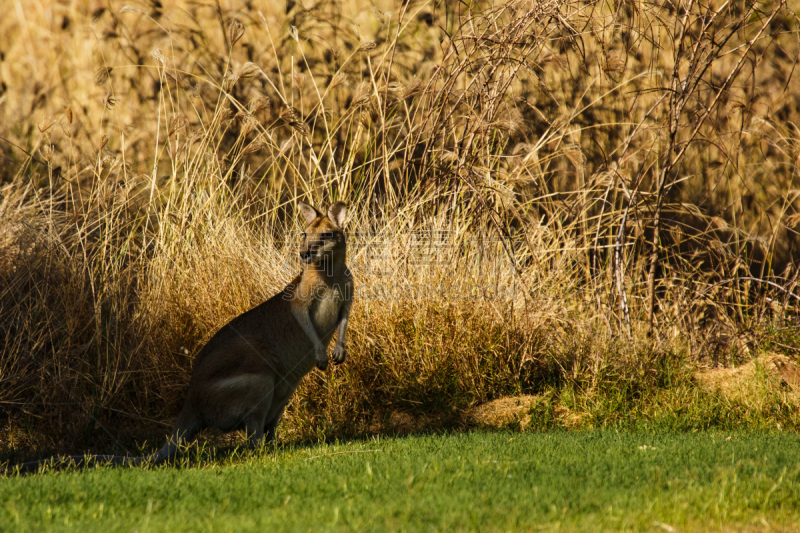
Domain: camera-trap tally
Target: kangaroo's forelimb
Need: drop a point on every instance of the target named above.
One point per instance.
(339, 352)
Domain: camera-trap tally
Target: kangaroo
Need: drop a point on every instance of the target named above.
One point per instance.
(245, 375)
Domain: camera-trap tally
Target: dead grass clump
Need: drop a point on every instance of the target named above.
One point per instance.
(750, 382)
(524, 412)
(503, 412)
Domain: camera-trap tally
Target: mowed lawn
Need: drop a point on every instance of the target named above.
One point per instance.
(585, 481)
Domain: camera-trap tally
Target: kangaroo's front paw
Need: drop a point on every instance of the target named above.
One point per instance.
(339, 354)
(322, 359)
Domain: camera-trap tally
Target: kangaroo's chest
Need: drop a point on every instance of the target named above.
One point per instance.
(325, 309)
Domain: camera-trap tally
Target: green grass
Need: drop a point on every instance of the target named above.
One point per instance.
(478, 481)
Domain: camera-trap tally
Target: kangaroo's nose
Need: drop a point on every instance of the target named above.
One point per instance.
(305, 255)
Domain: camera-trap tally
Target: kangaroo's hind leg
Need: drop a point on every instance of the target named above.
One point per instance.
(189, 423)
(281, 400)
(272, 424)
(255, 418)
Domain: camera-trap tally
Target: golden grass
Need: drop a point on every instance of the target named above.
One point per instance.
(544, 194)
(750, 381)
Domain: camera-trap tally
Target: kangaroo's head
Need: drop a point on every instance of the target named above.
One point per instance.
(323, 238)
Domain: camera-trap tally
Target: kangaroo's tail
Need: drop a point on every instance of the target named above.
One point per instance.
(84, 461)
(186, 428)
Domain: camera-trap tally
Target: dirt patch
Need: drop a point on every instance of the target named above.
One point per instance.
(402, 423)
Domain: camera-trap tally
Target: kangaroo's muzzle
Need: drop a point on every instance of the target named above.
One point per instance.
(312, 252)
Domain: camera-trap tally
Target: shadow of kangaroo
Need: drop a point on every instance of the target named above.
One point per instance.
(245, 375)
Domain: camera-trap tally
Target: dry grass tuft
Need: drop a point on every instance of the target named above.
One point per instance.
(523, 412)
(504, 412)
(747, 383)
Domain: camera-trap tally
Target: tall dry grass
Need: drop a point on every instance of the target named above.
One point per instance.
(542, 193)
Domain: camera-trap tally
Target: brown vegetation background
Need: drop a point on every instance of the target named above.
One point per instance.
(568, 199)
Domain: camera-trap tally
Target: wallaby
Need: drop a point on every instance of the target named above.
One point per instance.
(244, 376)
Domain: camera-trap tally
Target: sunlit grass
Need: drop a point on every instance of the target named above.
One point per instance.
(603, 481)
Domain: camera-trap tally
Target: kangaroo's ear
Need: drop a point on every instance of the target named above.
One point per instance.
(309, 212)
(338, 213)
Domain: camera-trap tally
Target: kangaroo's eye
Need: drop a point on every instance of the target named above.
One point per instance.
(327, 235)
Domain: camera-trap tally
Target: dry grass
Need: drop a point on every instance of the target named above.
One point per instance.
(519, 412)
(546, 196)
(749, 381)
